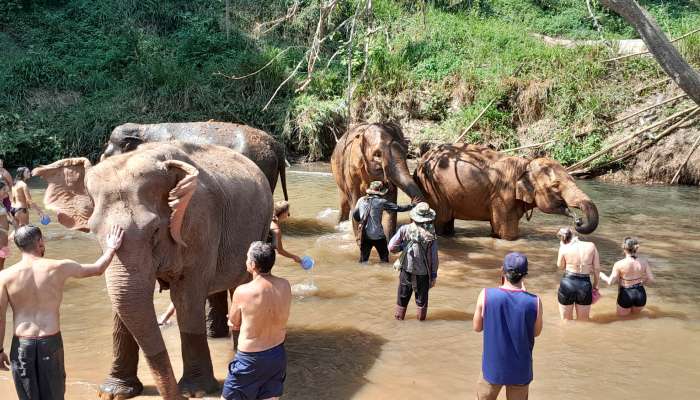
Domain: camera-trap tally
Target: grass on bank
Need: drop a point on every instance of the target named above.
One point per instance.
(74, 69)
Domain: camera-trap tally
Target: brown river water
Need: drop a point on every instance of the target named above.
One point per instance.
(343, 342)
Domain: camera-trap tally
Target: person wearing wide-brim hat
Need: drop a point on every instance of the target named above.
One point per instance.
(368, 213)
(418, 262)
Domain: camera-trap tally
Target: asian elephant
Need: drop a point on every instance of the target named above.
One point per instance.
(473, 182)
(266, 152)
(372, 152)
(189, 213)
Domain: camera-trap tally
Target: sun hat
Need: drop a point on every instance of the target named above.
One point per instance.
(377, 187)
(422, 213)
(515, 262)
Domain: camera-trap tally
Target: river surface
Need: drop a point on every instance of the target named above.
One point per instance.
(343, 342)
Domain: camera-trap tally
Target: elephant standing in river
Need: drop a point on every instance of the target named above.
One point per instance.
(473, 182)
(266, 152)
(372, 152)
(189, 214)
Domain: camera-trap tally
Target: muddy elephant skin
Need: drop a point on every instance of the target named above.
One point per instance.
(372, 152)
(471, 182)
(190, 213)
(266, 152)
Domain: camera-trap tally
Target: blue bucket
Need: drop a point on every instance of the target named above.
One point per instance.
(45, 220)
(307, 262)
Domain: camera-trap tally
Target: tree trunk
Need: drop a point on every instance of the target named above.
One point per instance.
(659, 46)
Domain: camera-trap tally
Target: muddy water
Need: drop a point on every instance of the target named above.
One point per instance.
(343, 342)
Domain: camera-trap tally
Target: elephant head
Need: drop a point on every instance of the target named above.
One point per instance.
(147, 193)
(124, 138)
(545, 184)
(384, 150)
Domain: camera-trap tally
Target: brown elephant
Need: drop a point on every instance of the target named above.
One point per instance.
(477, 183)
(266, 152)
(190, 213)
(372, 152)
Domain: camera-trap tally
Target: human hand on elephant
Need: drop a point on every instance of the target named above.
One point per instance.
(114, 238)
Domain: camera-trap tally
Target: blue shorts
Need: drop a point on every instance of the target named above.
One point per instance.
(258, 375)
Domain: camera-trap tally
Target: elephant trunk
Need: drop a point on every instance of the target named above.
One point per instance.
(401, 177)
(130, 287)
(578, 199)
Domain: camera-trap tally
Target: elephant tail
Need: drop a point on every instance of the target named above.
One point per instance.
(283, 177)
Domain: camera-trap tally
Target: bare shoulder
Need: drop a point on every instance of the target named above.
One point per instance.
(282, 283)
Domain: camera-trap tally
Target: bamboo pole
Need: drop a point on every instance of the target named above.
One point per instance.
(530, 146)
(647, 51)
(651, 85)
(687, 158)
(467, 129)
(617, 121)
(627, 139)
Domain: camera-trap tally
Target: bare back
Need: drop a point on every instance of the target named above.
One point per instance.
(20, 195)
(35, 292)
(632, 271)
(579, 257)
(264, 305)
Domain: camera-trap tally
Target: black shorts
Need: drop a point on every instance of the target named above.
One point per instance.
(633, 296)
(37, 367)
(575, 289)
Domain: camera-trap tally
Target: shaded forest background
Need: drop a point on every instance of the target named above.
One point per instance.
(71, 70)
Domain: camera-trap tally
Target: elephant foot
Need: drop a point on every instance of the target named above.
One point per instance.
(198, 387)
(119, 389)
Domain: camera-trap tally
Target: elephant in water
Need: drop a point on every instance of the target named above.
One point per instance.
(372, 152)
(266, 152)
(477, 183)
(189, 214)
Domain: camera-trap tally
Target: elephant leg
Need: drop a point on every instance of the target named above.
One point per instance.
(389, 218)
(504, 223)
(449, 227)
(344, 209)
(198, 372)
(217, 309)
(122, 382)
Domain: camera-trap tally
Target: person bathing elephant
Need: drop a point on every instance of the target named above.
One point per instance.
(266, 152)
(189, 214)
(472, 182)
(372, 152)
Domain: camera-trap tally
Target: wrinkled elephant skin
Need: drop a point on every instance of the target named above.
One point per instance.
(476, 183)
(372, 152)
(266, 152)
(189, 213)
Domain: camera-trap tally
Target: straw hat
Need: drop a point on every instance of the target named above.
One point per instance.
(422, 213)
(378, 188)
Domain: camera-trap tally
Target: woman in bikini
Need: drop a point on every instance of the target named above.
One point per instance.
(632, 273)
(22, 199)
(5, 221)
(281, 213)
(580, 261)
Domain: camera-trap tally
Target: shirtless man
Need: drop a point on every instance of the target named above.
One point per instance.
(21, 199)
(34, 289)
(632, 272)
(579, 260)
(7, 178)
(5, 221)
(259, 310)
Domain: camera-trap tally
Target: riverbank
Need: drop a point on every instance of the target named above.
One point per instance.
(75, 69)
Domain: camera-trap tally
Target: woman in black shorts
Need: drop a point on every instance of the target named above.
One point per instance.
(632, 273)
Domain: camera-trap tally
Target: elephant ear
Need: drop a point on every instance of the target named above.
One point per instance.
(179, 197)
(66, 193)
(524, 191)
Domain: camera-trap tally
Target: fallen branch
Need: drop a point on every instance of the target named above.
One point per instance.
(626, 139)
(291, 12)
(235, 78)
(647, 109)
(647, 51)
(596, 24)
(530, 146)
(296, 69)
(687, 158)
(467, 129)
(651, 85)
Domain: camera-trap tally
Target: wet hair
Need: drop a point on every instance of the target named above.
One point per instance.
(565, 234)
(20, 173)
(263, 255)
(27, 238)
(514, 277)
(630, 245)
(281, 207)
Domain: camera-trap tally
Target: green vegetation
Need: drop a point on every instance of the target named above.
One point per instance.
(73, 69)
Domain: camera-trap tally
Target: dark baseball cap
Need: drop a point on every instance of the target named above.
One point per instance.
(516, 262)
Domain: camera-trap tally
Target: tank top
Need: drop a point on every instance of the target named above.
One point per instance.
(509, 336)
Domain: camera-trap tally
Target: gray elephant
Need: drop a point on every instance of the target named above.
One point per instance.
(190, 213)
(372, 152)
(266, 152)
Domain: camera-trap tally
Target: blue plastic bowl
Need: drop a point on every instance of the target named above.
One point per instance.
(45, 220)
(307, 262)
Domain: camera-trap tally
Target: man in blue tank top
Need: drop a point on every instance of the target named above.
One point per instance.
(510, 318)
